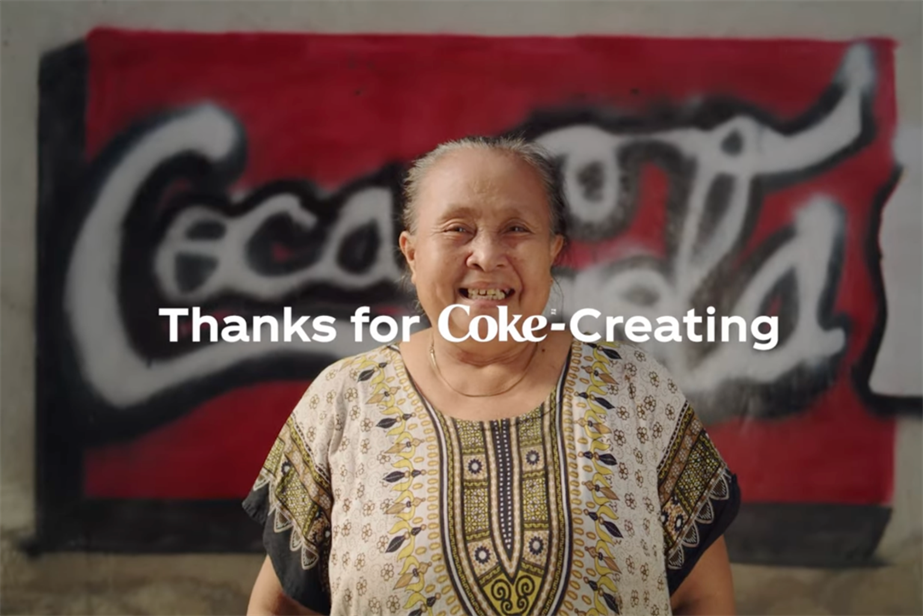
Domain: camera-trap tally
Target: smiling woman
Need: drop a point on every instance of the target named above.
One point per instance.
(514, 476)
(490, 231)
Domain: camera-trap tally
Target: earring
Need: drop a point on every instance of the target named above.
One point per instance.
(554, 310)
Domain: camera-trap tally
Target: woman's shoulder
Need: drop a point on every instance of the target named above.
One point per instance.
(625, 375)
(346, 381)
(356, 368)
(621, 357)
(342, 385)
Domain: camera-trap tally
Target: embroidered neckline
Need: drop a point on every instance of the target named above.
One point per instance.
(411, 389)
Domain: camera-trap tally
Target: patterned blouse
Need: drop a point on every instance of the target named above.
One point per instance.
(599, 501)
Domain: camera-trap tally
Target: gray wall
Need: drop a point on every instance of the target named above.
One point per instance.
(30, 28)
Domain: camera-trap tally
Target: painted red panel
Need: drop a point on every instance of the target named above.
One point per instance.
(335, 108)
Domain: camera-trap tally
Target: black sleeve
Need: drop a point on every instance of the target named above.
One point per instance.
(699, 496)
(292, 500)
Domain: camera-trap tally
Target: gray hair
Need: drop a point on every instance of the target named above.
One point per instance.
(529, 152)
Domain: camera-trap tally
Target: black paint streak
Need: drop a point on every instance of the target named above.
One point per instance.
(718, 203)
(59, 464)
(206, 230)
(357, 253)
(192, 271)
(862, 370)
(306, 246)
(814, 535)
(733, 143)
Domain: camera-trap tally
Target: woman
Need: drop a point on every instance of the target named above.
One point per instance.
(501, 477)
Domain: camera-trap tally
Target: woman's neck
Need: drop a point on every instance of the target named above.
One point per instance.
(482, 374)
(475, 355)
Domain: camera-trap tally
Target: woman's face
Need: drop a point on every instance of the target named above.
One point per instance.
(483, 238)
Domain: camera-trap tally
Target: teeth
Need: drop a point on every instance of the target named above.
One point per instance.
(495, 294)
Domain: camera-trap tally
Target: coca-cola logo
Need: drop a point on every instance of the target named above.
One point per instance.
(163, 228)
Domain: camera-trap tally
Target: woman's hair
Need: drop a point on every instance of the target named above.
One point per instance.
(529, 152)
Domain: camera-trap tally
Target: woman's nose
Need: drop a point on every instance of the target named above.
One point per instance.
(487, 253)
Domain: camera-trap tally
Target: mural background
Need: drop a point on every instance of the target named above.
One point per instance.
(743, 174)
(95, 583)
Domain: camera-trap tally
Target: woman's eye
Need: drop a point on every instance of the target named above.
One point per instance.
(518, 229)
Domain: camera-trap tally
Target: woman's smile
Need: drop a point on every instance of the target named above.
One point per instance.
(496, 294)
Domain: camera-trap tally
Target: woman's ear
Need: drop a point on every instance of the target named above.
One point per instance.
(556, 245)
(410, 253)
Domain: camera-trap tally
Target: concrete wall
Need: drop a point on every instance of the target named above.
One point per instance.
(161, 584)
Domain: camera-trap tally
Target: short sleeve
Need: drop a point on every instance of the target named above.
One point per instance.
(699, 495)
(292, 497)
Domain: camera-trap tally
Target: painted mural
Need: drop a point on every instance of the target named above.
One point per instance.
(250, 173)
